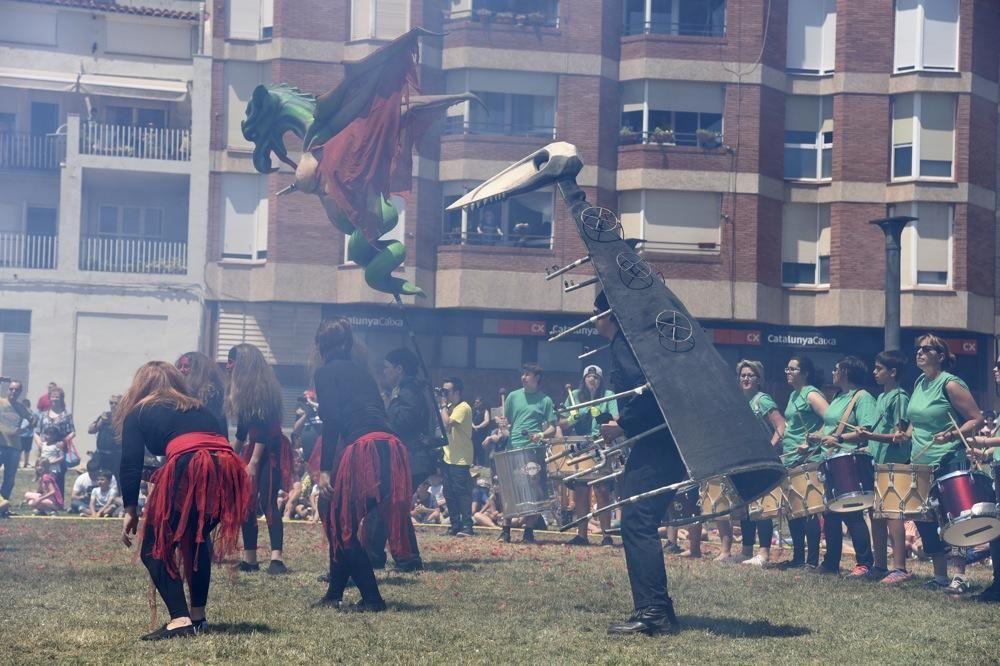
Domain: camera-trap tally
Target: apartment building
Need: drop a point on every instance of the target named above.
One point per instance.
(104, 161)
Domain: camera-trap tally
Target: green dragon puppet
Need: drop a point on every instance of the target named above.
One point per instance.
(357, 149)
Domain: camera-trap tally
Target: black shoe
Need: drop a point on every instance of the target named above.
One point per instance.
(789, 564)
(246, 568)
(504, 535)
(276, 568)
(578, 541)
(327, 602)
(672, 548)
(452, 531)
(529, 535)
(200, 626)
(323, 578)
(651, 621)
(410, 566)
(163, 633)
(607, 541)
(465, 532)
(990, 595)
(365, 607)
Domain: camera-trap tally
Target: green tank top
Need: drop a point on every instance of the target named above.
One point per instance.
(863, 415)
(891, 408)
(928, 412)
(800, 419)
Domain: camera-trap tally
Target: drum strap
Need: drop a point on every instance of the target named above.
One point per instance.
(848, 412)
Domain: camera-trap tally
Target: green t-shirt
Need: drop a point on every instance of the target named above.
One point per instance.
(585, 421)
(928, 412)
(800, 420)
(864, 415)
(527, 414)
(459, 449)
(891, 408)
(761, 404)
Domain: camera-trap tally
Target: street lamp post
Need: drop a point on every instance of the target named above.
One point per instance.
(892, 227)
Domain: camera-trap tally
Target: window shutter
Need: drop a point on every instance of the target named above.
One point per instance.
(823, 226)
(798, 234)
(361, 19)
(244, 19)
(802, 113)
(829, 45)
(907, 25)
(685, 96)
(940, 34)
(684, 218)
(633, 93)
(937, 127)
(902, 120)
(244, 215)
(630, 213)
(391, 18)
(933, 229)
(827, 114)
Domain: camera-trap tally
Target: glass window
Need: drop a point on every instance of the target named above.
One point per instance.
(923, 135)
(926, 244)
(494, 353)
(522, 221)
(808, 137)
(678, 109)
(151, 118)
(153, 223)
(107, 220)
(454, 351)
(675, 17)
(560, 356)
(805, 244)
(131, 221)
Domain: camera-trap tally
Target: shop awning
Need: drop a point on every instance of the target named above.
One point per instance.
(165, 90)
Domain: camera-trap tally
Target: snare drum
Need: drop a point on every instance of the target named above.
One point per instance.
(524, 484)
(903, 492)
(967, 508)
(699, 503)
(805, 491)
(684, 508)
(568, 448)
(769, 505)
(850, 481)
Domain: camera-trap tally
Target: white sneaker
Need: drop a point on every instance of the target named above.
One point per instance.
(756, 561)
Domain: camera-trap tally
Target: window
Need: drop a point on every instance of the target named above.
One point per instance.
(812, 36)
(454, 351)
(670, 111)
(516, 103)
(926, 35)
(923, 135)
(244, 217)
(808, 137)
(926, 244)
(45, 221)
(379, 19)
(522, 221)
(241, 79)
(251, 20)
(498, 353)
(398, 233)
(805, 245)
(672, 221)
(131, 116)
(129, 221)
(8, 122)
(560, 356)
(675, 17)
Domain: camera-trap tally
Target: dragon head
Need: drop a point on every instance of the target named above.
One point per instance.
(553, 163)
(272, 111)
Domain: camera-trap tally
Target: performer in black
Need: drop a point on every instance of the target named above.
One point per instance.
(409, 416)
(368, 464)
(653, 462)
(206, 382)
(203, 485)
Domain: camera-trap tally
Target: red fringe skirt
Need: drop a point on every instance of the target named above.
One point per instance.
(357, 489)
(212, 486)
(277, 457)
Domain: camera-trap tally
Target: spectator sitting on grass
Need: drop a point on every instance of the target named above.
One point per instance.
(53, 451)
(480, 495)
(298, 492)
(84, 484)
(425, 509)
(47, 497)
(103, 498)
(489, 515)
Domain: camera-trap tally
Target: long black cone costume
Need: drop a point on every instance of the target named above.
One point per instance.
(716, 433)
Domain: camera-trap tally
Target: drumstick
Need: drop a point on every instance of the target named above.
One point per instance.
(569, 391)
(959, 431)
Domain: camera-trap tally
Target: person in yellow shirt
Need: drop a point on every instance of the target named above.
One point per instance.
(457, 416)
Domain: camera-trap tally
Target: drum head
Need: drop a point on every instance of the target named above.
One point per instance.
(971, 530)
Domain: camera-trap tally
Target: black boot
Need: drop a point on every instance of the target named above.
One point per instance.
(529, 535)
(504, 535)
(650, 621)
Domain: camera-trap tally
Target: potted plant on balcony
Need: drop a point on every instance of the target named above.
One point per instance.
(663, 135)
(627, 135)
(505, 17)
(708, 138)
(536, 18)
(521, 19)
(483, 14)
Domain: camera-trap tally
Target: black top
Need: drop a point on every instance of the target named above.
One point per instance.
(409, 415)
(152, 427)
(636, 413)
(215, 402)
(349, 404)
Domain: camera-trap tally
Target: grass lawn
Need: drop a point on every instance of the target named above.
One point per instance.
(71, 592)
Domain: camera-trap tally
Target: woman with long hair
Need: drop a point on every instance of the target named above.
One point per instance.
(201, 487)
(587, 422)
(368, 464)
(254, 401)
(940, 398)
(206, 382)
(803, 415)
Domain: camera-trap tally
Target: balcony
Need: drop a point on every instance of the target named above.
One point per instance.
(116, 254)
(517, 240)
(151, 143)
(706, 139)
(20, 150)
(19, 250)
(457, 125)
(667, 27)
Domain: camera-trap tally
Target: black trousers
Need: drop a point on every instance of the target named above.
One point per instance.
(350, 563)
(995, 556)
(653, 463)
(376, 529)
(805, 530)
(267, 503)
(753, 528)
(10, 457)
(172, 589)
(458, 495)
(860, 537)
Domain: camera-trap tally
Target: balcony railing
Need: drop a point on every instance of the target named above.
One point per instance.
(456, 125)
(112, 254)
(674, 28)
(705, 139)
(20, 150)
(496, 240)
(151, 143)
(19, 250)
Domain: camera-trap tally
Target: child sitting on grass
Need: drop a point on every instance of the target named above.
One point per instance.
(47, 498)
(103, 498)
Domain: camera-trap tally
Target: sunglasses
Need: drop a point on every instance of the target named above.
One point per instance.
(926, 349)
(791, 369)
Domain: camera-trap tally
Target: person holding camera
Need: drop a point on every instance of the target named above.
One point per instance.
(308, 425)
(109, 448)
(457, 416)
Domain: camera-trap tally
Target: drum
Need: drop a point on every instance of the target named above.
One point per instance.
(698, 503)
(684, 508)
(561, 451)
(903, 492)
(769, 505)
(524, 484)
(805, 491)
(850, 481)
(967, 508)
